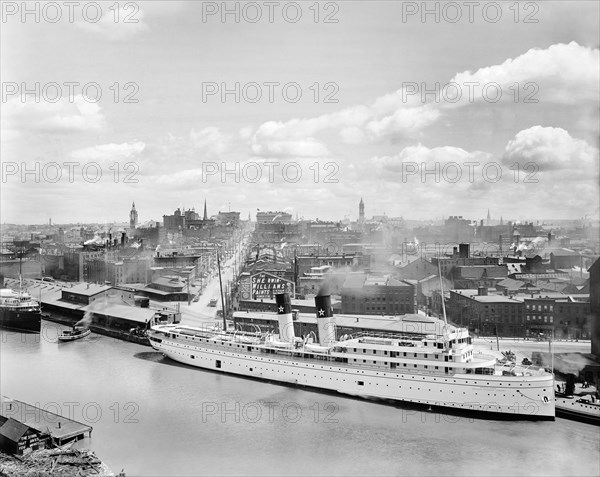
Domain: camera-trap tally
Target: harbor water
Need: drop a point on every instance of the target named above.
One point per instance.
(151, 416)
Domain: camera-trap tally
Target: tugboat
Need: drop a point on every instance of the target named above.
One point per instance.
(76, 333)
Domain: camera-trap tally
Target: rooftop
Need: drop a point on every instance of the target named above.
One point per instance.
(13, 430)
(88, 289)
(510, 284)
(41, 420)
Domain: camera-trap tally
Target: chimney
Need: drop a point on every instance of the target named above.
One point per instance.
(284, 315)
(549, 237)
(482, 291)
(325, 320)
(463, 250)
(454, 252)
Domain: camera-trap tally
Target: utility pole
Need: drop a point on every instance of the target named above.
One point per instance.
(497, 339)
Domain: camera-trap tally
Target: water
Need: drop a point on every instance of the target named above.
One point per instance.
(152, 416)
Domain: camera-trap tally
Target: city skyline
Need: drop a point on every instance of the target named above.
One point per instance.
(367, 123)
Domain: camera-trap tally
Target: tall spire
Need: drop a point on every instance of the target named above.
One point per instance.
(133, 218)
(361, 210)
(205, 213)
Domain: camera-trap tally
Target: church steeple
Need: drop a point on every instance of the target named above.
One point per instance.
(205, 213)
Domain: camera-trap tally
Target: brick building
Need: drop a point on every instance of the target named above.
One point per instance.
(521, 315)
(375, 295)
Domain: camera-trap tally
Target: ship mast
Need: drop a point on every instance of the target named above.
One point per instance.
(443, 304)
(221, 286)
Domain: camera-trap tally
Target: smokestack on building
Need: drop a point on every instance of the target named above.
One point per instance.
(463, 250)
(325, 320)
(285, 317)
(549, 238)
(482, 291)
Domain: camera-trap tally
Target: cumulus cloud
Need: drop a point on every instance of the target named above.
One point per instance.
(65, 115)
(109, 151)
(420, 165)
(211, 140)
(563, 73)
(550, 148)
(308, 147)
(355, 124)
(405, 122)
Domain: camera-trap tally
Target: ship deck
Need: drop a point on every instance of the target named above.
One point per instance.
(302, 356)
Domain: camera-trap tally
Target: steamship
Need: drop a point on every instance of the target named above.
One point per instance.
(438, 370)
(18, 311)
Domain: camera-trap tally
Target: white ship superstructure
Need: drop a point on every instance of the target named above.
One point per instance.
(436, 370)
(19, 311)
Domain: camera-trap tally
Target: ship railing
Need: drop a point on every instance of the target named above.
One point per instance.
(381, 334)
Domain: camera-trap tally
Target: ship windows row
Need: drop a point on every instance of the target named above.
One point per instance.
(396, 354)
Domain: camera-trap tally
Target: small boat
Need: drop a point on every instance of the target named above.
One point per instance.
(74, 334)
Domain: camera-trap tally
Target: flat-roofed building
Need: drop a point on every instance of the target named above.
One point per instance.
(376, 295)
(85, 293)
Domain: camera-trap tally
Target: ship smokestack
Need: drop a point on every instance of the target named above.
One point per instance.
(325, 320)
(285, 317)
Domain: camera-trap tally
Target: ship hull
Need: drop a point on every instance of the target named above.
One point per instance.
(27, 321)
(521, 398)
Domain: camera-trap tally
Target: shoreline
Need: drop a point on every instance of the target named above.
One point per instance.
(64, 462)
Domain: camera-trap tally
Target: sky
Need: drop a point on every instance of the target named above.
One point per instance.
(425, 110)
